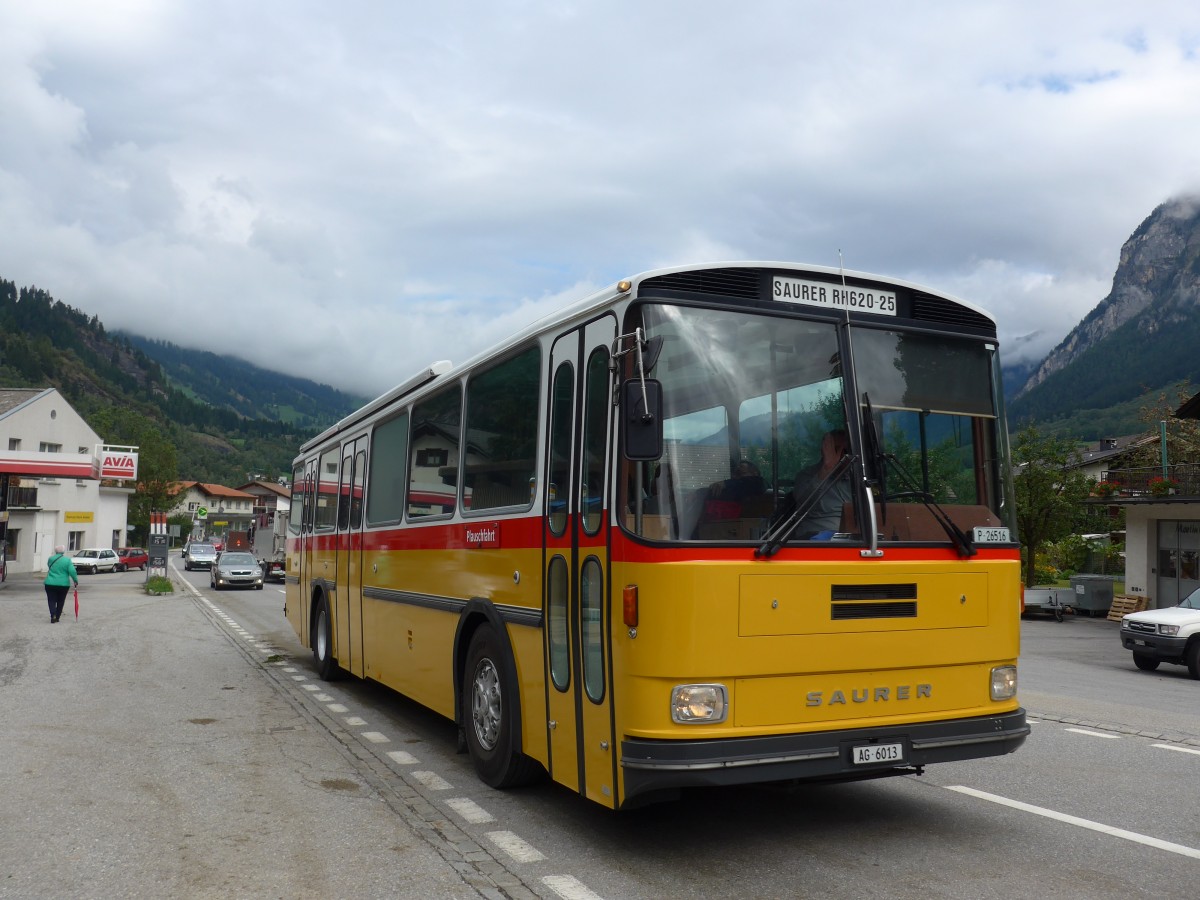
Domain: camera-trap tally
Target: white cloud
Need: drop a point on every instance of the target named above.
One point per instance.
(384, 184)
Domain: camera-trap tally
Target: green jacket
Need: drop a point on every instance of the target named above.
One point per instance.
(60, 571)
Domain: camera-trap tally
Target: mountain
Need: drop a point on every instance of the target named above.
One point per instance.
(1140, 341)
(223, 419)
(232, 383)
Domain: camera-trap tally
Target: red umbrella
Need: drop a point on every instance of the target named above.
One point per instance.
(77, 603)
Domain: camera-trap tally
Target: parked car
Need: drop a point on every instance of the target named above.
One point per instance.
(199, 555)
(275, 568)
(1165, 635)
(95, 559)
(236, 569)
(219, 544)
(132, 558)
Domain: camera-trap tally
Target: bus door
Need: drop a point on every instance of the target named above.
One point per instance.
(348, 637)
(305, 548)
(578, 682)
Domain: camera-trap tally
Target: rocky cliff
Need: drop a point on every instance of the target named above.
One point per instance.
(1157, 283)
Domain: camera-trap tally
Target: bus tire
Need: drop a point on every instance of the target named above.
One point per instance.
(489, 705)
(322, 644)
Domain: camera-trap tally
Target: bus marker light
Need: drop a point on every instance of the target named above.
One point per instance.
(1004, 682)
(629, 605)
(699, 704)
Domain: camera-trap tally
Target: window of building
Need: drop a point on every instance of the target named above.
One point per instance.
(14, 444)
(44, 447)
(432, 457)
(74, 540)
(11, 538)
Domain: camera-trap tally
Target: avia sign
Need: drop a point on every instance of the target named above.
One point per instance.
(117, 462)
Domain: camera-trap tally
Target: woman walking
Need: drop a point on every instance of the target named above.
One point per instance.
(60, 575)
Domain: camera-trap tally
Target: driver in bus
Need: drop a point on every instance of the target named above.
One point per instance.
(825, 517)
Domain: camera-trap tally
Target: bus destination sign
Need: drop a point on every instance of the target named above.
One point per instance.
(833, 296)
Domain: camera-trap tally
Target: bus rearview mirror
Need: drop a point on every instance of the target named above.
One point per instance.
(641, 408)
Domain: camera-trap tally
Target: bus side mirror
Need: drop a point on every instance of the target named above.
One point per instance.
(641, 408)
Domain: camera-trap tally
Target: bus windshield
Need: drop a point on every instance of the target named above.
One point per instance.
(755, 420)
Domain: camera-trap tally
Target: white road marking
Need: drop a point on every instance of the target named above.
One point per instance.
(323, 698)
(1100, 734)
(470, 810)
(402, 757)
(1081, 823)
(355, 721)
(376, 737)
(310, 687)
(515, 847)
(337, 708)
(299, 678)
(1177, 749)
(569, 888)
(432, 780)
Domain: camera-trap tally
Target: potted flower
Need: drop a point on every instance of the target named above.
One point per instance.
(1105, 488)
(1161, 487)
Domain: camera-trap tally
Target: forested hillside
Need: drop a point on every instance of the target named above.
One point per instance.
(46, 343)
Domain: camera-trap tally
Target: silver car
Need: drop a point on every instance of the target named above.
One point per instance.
(200, 555)
(236, 569)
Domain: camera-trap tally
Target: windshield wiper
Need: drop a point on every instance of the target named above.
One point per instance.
(778, 535)
(965, 545)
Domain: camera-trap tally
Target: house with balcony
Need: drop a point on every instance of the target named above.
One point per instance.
(215, 510)
(56, 486)
(1162, 518)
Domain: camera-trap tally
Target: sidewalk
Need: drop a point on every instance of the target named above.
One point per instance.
(146, 755)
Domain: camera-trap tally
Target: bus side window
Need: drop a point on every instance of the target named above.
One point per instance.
(501, 433)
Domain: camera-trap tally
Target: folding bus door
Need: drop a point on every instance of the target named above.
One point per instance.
(578, 680)
(348, 635)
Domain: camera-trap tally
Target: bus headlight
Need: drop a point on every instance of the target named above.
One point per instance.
(699, 704)
(1004, 682)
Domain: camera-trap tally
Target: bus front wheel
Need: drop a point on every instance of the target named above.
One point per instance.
(323, 643)
(489, 705)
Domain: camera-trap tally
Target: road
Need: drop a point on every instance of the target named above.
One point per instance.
(1102, 801)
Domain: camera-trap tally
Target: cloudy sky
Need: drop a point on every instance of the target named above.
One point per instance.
(348, 191)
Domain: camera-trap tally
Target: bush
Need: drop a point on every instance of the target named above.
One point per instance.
(158, 584)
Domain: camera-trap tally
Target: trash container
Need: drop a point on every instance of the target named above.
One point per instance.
(1093, 594)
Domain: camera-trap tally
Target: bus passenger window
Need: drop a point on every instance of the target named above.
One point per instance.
(433, 476)
(501, 430)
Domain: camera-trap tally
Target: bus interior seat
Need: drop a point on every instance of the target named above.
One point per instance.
(916, 522)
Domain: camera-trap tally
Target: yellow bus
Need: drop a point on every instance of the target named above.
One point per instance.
(624, 547)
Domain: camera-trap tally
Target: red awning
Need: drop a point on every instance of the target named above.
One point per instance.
(46, 468)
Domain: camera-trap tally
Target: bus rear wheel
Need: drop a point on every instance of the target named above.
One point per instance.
(323, 643)
(489, 707)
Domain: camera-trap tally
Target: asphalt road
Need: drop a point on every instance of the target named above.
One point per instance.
(183, 747)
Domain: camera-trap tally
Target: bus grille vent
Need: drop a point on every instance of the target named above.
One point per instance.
(726, 282)
(944, 312)
(898, 610)
(873, 592)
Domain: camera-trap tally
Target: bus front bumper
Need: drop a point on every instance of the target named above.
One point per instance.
(655, 765)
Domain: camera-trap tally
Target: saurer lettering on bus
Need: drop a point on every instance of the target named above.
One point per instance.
(872, 695)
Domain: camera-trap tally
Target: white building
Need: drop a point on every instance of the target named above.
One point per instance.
(54, 464)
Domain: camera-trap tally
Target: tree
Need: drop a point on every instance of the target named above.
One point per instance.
(157, 465)
(1050, 489)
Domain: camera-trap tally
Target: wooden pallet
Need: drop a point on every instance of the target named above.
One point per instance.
(1122, 606)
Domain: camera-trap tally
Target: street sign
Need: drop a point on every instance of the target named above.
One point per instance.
(202, 512)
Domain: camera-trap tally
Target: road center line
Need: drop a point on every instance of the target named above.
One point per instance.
(1081, 823)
